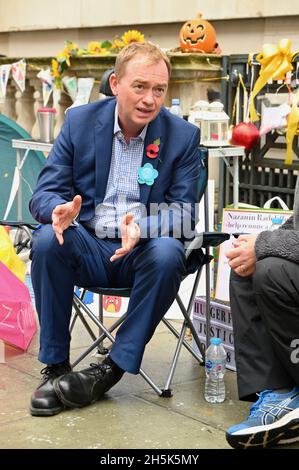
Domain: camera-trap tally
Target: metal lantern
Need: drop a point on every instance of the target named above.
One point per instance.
(213, 122)
(214, 125)
(197, 111)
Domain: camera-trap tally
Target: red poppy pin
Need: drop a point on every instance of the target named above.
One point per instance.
(152, 150)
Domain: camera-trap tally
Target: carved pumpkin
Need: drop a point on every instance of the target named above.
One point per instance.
(197, 36)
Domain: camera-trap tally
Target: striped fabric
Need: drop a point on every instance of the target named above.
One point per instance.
(122, 192)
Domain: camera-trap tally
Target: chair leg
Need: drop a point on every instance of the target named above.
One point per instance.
(185, 344)
(78, 301)
(74, 317)
(151, 383)
(193, 330)
(167, 390)
(187, 315)
(101, 349)
(107, 334)
(79, 314)
(181, 336)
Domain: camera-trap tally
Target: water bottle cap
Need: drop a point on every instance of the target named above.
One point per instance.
(216, 341)
(175, 101)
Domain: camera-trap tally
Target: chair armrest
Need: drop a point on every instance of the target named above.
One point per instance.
(204, 240)
(10, 223)
(214, 238)
(22, 236)
(196, 244)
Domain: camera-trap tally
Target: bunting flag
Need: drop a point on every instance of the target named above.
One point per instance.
(18, 70)
(47, 90)
(71, 85)
(56, 97)
(47, 81)
(4, 75)
(84, 90)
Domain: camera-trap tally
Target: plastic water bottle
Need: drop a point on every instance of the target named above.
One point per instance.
(215, 370)
(175, 107)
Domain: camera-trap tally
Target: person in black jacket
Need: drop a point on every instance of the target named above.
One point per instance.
(264, 295)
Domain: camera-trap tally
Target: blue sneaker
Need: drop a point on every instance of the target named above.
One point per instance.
(273, 419)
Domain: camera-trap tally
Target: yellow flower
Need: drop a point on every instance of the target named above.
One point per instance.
(132, 36)
(55, 70)
(62, 60)
(117, 43)
(64, 56)
(94, 48)
(71, 47)
(105, 51)
(56, 66)
(61, 56)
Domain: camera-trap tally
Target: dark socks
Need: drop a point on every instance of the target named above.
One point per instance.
(112, 364)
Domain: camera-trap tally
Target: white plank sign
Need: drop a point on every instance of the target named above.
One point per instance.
(243, 221)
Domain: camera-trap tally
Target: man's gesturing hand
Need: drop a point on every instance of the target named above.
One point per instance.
(63, 215)
(130, 236)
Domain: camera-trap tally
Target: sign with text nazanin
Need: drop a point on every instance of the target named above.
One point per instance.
(243, 221)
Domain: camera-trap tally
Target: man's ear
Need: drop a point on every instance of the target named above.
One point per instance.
(113, 82)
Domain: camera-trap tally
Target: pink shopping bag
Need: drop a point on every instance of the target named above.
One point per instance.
(17, 317)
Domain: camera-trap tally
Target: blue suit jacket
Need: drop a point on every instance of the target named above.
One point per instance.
(79, 163)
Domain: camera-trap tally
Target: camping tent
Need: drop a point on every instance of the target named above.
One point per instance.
(9, 130)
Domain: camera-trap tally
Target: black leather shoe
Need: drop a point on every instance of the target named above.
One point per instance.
(44, 401)
(87, 386)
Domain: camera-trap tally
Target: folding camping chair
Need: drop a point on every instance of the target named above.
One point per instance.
(202, 240)
(22, 235)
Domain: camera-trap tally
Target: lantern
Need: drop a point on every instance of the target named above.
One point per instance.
(213, 123)
(197, 36)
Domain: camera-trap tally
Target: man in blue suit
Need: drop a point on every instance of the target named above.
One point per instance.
(114, 162)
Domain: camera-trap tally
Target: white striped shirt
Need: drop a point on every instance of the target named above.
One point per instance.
(122, 192)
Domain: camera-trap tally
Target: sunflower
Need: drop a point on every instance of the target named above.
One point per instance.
(132, 36)
(94, 48)
(55, 69)
(71, 47)
(117, 44)
(63, 59)
(63, 56)
(56, 72)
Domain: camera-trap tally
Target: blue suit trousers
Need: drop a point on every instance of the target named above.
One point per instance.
(154, 271)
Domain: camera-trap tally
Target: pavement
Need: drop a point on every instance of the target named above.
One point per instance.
(130, 416)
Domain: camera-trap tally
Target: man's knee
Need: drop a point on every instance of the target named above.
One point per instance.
(44, 241)
(268, 273)
(165, 253)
